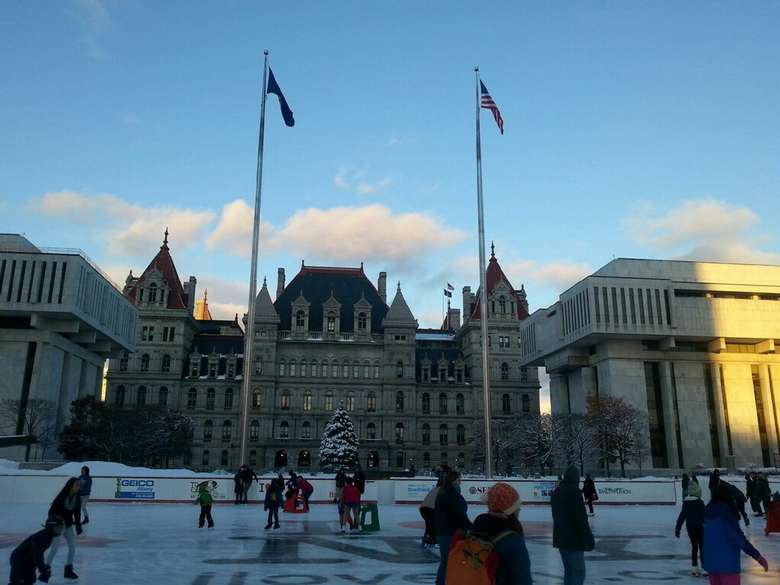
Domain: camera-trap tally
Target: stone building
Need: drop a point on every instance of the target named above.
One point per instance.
(330, 337)
(689, 344)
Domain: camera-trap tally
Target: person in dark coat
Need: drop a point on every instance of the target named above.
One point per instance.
(685, 482)
(590, 493)
(86, 492)
(247, 476)
(237, 487)
(514, 566)
(28, 556)
(714, 480)
(692, 515)
(450, 516)
(763, 491)
(360, 480)
(739, 500)
(67, 505)
(723, 540)
(341, 480)
(751, 491)
(274, 492)
(571, 532)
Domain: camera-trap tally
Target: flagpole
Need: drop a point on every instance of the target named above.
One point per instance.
(249, 336)
(483, 317)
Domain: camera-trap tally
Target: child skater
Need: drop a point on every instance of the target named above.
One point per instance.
(28, 556)
(205, 500)
(692, 515)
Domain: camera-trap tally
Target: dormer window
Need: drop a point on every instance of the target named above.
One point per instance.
(152, 298)
(331, 323)
(502, 305)
(300, 320)
(362, 321)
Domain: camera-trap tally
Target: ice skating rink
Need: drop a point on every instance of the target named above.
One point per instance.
(159, 544)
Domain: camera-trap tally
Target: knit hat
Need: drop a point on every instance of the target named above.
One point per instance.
(503, 498)
(694, 490)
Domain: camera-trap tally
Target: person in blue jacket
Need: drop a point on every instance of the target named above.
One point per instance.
(724, 539)
(86, 490)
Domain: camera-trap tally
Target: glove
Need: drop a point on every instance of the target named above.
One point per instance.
(763, 562)
(79, 530)
(45, 575)
(677, 534)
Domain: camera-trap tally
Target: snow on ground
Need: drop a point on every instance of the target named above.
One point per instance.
(156, 543)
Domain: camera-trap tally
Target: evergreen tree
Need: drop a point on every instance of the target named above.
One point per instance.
(339, 444)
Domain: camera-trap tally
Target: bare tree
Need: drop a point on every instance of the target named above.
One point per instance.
(35, 417)
(533, 439)
(576, 442)
(620, 429)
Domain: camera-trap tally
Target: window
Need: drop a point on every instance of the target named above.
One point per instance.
(460, 406)
(371, 402)
(399, 369)
(334, 370)
(300, 320)
(362, 321)
(253, 458)
(257, 398)
(212, 368)
(459, 375)
(426, 403)
(524, 374)
(229, 399)
(211, 398)
(123, 363)
(150, 337)
(304, 369)
(223, 459)
(331, 323)
(119, 397)
(399, 459)
(442, 403)
(350, 401)
(144, 333)
(192, 398)
(166, 363)
(526, 403)
(426, 459)
(285, 400)
(208, 431)
(345, 370)
(443, 435)
(314, 370)
(506, 404)
(152, 298)
(502, 305)
(145, 362)
(367, 370)
(356, 371)
(162, 397)
(426, 373)
(194, 366)
(293, 368)
(461, 461)
(284, 430)
(282, 368)
(399, 401)
(254, 431)
(227, 431)
(371, 431)
(426, 434)
(504, 371)
(259, 365)
(140, 397)
(306, 430)
(205, 460)
(329, 401)
(399, 433)
(307, 400)
(444, 459)
(460, 433)
(231, 369)
(376, 370)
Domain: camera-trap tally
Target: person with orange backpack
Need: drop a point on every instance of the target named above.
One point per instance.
(494, 552)
(450, 516)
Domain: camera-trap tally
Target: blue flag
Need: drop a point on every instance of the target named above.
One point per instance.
(273, 87)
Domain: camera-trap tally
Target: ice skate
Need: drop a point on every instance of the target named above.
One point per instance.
(70, 573)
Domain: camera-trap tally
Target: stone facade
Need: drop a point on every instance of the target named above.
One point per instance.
(328, 338)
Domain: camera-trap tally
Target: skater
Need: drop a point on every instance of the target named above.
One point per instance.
(341, 480)
(692, 515)
(427, 511)
(67, 505)
(763, 492)
(751, 491)
(571, 532)
(350, 499)
(590, 493)
(501, 528)
(714, 480)
(273, 501)
(723, 541)
(293, 485)
(205, 500)
(237, 487)
(306, 490)
(360, 480)
(246, 475)
(739, 500)
(86, 491)
(451, 515)
(28, 556)
(685, 482)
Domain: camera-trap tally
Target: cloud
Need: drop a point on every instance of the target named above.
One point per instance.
(226, 297)
(233, 233)
(352, 179)
(556, 275)
(126, 227)
(364, 188)
(96, 22)
(701, 229)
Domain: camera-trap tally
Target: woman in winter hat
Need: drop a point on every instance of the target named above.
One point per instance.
(692, 514)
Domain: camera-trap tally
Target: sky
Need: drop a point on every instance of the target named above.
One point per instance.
(632, 129)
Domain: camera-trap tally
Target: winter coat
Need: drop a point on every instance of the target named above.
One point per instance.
(736, 493)
(305, 486)
(86, 485)
(692, 514)
(450, 512)
(29, 554)
(204, 498)
(341, 479)
(247, 475)
(350, 495)
(430, 499)
(237, 484)
(751, 487)
(59, 507)
(713, 483)
(514, 566)
(273, 494)
(571, 530)
(723, 541)
(763, 491)
(360, 481)
(589, 490)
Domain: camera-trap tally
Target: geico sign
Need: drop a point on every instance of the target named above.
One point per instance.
(136, 482)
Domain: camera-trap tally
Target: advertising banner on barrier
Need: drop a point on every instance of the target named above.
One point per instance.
(134, 489)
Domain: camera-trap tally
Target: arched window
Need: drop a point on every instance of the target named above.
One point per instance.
(166, 363)
(162, 397)
(362, 321)
(145, 362)
(366, 370)
(399, 433)
(399, 459)
(304, 369)
(300, 320)
(285, 400)
(350, 406)
(257, 398)
(306, 430)
(140, 396)
(152, 296)
(461, 462)
(504, 371)
(460, 433)
(399, 401)
(229, 399)
(304, 458)
(442, 403)
(208, 431)
(119, 397)
(526, 402)
(282, 368)
(254, 431)
(253, 458)
(223, 460)
(192, 398)
(371, 402)
(258, 365)
(426, 459)
(506, 404)
(345, 370)
(284, 430)
(376, 370)
(227, 431)
(205, 459)
(123, 363)
(293, 368)
(524, 374)
(373, 459)
(460, 404)
(426, 403)
(399, 369)
(356, 370)
(371, 431)
(211, 398)
(328, 401)
(315, 370)
(334, 370)
(426, 434)
(331, 322)
(307, 400)
(502, 305)
(444, 437)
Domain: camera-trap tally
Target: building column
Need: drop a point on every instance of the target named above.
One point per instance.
(720, 413)
(769, 410)
(670, 421)
(559, 398)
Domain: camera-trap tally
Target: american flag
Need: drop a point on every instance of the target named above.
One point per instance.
(489, 104)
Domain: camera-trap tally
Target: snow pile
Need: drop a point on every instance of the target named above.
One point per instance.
(8, 464)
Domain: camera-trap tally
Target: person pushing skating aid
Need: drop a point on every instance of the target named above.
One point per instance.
(28, 556)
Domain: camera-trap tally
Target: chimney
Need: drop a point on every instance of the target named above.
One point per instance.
(382, 286)
(189, 290)
(466, 303)
(279, 282)
(454, 319)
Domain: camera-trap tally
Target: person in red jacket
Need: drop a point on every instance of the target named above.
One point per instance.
(350, 499)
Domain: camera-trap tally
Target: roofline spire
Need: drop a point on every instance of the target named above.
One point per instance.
(492, 249)
(165, 238)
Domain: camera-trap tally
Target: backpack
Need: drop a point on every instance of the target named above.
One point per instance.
(473, 560)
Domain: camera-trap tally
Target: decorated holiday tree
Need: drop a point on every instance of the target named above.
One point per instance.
(339, 444)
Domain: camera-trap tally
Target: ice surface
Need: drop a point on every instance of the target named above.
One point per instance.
(157, 543)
